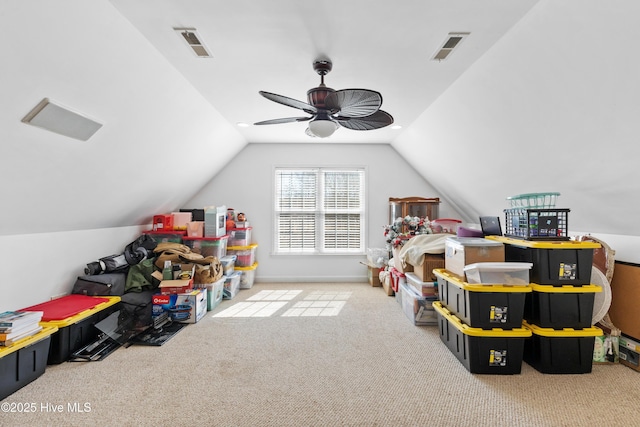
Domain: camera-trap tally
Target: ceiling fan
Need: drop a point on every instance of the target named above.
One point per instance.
(356, 109)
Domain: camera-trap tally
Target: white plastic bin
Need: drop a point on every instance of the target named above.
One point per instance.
(505, 273)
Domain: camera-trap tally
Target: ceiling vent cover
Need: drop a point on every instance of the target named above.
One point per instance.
(452, 41)
(191, 37)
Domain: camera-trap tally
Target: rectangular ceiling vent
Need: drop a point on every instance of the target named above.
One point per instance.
(191, 37)
(452, 42)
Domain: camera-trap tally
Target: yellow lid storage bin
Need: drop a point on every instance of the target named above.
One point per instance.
(560, 351)
(245, 255)
(561, 307)
(248, 275)
(482, 306)
(24, 361)
(554, 262)
(482, 351)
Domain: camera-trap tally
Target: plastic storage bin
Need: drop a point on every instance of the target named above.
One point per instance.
(24, 361)
(228, 264)
(162, 222)
(417, 308)
(560, 307)
(537, 224)
(445, 225)
(505, 273)
(247, 276)
(245, 255)
(554, 263)
(534, 200)
(482, 306)
(214, 292)
(565, 351)
(208, 246)
(427, 289)
(74, 316)
(482, 351)
(161, 236)
(239, 236)
(231, 285)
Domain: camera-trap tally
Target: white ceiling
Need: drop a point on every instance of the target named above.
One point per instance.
(271, 45)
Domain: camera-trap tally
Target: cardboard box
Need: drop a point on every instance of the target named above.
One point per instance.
(430, 263)
(188, 307)
(179, 286)
(397, 262)
(625, 299)
(373, 274)
(629, 352)
(462, 251)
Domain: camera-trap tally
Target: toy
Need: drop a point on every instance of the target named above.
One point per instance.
(231, 223)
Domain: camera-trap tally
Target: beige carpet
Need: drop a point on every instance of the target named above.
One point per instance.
(333, 355)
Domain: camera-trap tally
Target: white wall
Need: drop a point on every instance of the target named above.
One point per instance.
(40, 266)
(68, 202)
(87, 57)
(553, 106)
(246, 184)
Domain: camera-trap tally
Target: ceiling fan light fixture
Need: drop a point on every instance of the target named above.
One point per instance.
(322, 128)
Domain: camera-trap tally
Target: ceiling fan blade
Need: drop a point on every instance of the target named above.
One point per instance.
(377, 120)
(284, 120)
(289, 102)
(354, 102)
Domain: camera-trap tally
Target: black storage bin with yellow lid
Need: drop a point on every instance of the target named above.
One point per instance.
(482, 306)
(24, 361)
(482, 351)
(559, 307)
(554, 262)
(560, 351)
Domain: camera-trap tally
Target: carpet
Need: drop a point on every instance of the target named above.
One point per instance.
(157, 337)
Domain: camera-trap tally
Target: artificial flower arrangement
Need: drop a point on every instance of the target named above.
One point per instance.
(396, 235)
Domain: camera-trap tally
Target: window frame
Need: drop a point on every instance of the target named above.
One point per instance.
(320, 212)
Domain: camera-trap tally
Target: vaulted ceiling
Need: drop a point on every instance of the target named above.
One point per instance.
(270, 45)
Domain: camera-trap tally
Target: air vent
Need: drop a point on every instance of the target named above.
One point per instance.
(452, 41)
(193, 40)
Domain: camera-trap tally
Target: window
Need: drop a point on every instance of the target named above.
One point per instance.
(319, 211)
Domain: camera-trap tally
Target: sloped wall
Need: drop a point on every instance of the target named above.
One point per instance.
(160, 142)
(551, 107)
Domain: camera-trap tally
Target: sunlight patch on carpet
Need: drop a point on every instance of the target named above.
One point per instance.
(266, 303)
(328, 296)
(314, 309)
(252, 309)
(276, 295)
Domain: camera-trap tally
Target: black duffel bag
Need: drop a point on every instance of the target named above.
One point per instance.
(109, 284)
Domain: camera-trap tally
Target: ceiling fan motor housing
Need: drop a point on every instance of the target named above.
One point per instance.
(317, 96)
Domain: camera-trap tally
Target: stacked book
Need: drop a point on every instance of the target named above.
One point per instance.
(16, 325)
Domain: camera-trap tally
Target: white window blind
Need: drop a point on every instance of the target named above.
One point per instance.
(319, 210)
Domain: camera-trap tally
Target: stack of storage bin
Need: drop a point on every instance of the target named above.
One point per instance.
(559, 309)
(242, 246)
(417, 299)
(482, 322)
